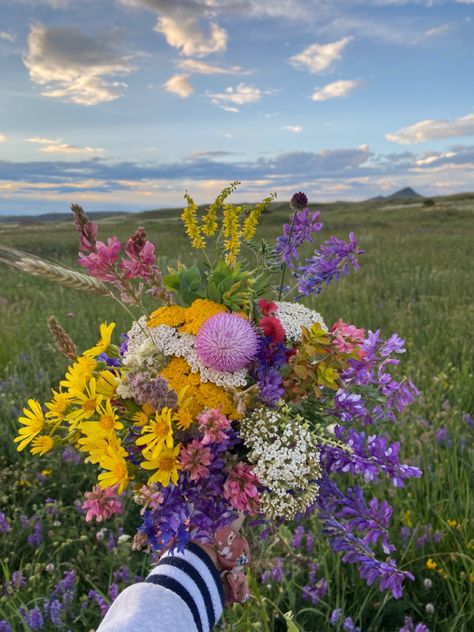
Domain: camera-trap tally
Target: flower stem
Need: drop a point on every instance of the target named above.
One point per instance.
(283, 266)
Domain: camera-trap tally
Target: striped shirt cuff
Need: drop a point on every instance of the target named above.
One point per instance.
(192, 575)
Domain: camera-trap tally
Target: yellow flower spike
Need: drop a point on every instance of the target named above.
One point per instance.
(57, 406)
(157, 433)
(209, 221)
(251, 221)
(79, 374)
(42, 444)
(189, 218)
(231, 233)
(166, 465)
(33, 423)
(104, 342)
(117, 470)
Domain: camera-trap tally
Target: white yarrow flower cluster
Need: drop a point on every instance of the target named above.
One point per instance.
(285, 459)
(293, 316)
(148, 345)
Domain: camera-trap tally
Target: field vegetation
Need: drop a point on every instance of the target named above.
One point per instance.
(416, 278)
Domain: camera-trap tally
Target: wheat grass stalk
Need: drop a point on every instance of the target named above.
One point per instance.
(62, 339)
(52, 271)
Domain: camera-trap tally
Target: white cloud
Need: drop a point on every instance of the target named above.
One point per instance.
(3, 138)
(293, 128)
(57, 146)
(187, 25)
(436, 31)
(433, 129)
(179, 84)
(240, 95)
(6, 36)
(320, 57)
(75, 67)
(336, 89)
(203, 68)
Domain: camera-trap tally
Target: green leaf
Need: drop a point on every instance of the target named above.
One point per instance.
(290, 624)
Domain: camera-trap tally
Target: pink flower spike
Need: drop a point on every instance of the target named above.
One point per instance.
(226, 342)
(241, 490)
(101, 504)
(142, 256)
(100, 263)
(195, 458)
(214, 424)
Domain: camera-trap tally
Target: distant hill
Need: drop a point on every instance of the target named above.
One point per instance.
(56, 217)
(404, 194)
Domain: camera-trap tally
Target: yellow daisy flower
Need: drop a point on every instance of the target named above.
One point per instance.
(88, 402)
(117, 470)
(142, 417)
(104, 342)
(166, 465)
(157, 433)
(42, 444)
(33, 424)
(107, 424)
(107, 384)
(79, 374)
(57, 406)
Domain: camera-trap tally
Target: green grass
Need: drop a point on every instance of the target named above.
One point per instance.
(416, 279)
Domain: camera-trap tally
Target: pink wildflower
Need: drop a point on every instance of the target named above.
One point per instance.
(142, 256)
(226, 342)
(214, 424)
(100, 264)
(148, 497)
(101, 504)
(195, 458)
(347, 337)
(240, 489)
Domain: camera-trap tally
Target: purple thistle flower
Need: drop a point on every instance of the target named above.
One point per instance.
(226, 342)
(332, 260)
(298, 200)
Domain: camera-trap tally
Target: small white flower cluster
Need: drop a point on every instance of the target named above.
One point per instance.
(293, 316)
(285, 459)
(148, 345)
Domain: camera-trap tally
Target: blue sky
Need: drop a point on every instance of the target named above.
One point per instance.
(125, 104)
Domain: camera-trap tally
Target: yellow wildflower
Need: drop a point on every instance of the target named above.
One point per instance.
(88, 401)
(57, 406)
(42, 444)
(142, 417)
(251, 221)
(196, 314)
(171, 315)
(431, 564)
(454, 524)
(108, 422)
(231, 233)
(209, 221)
(33, 424)
(157, 433)
(107, 383)
(104, 342)
(79, 374)
(117, 470)
(189, 218)
(185, 419)
(407, 519)
(46, 472)
(166, 465)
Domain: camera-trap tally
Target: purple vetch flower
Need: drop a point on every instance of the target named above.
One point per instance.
(349, 626)
(275, 574)
(122, 574)
(151, 390)
(314, 592)
(34, 619)
(226, 342)
(124, 344)
(5, 626)
(17, 581)
(36, 537)
(302, 227)
(108, 360)
(99, 600)
(55, 612)
(113, 591)
(335, 616)
(70, 455)
(5, 526)
(298, 537)
(331, 261)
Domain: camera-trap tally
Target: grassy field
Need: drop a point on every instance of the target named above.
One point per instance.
(416, 278)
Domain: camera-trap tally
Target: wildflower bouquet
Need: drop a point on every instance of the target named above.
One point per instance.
(231, 396)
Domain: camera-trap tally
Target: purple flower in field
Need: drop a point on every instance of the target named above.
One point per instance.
(55, 612)
(298, 537)
(99, 600)
(314, 593)
(5, 526)
(33, 618)
(70, 455)
(36, 537)
(226, 342)
(109, 361)
(442, 437)
(122, 574)
(302, 227)
(17, 581)
(349, 625)
(335, 616)
(113, 591)
(332, 260)
(123, 344)
(5, 626)
(141, 253)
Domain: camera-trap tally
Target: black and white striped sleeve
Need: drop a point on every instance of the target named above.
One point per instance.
(183, 593)
(193, 576)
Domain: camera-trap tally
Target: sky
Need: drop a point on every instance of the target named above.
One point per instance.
(126, 104)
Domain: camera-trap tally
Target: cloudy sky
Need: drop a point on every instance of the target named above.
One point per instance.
(125, 104)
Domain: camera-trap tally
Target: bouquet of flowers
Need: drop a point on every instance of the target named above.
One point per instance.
(231, 397)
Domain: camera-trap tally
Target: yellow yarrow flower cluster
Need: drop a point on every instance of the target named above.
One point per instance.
(188, 320)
